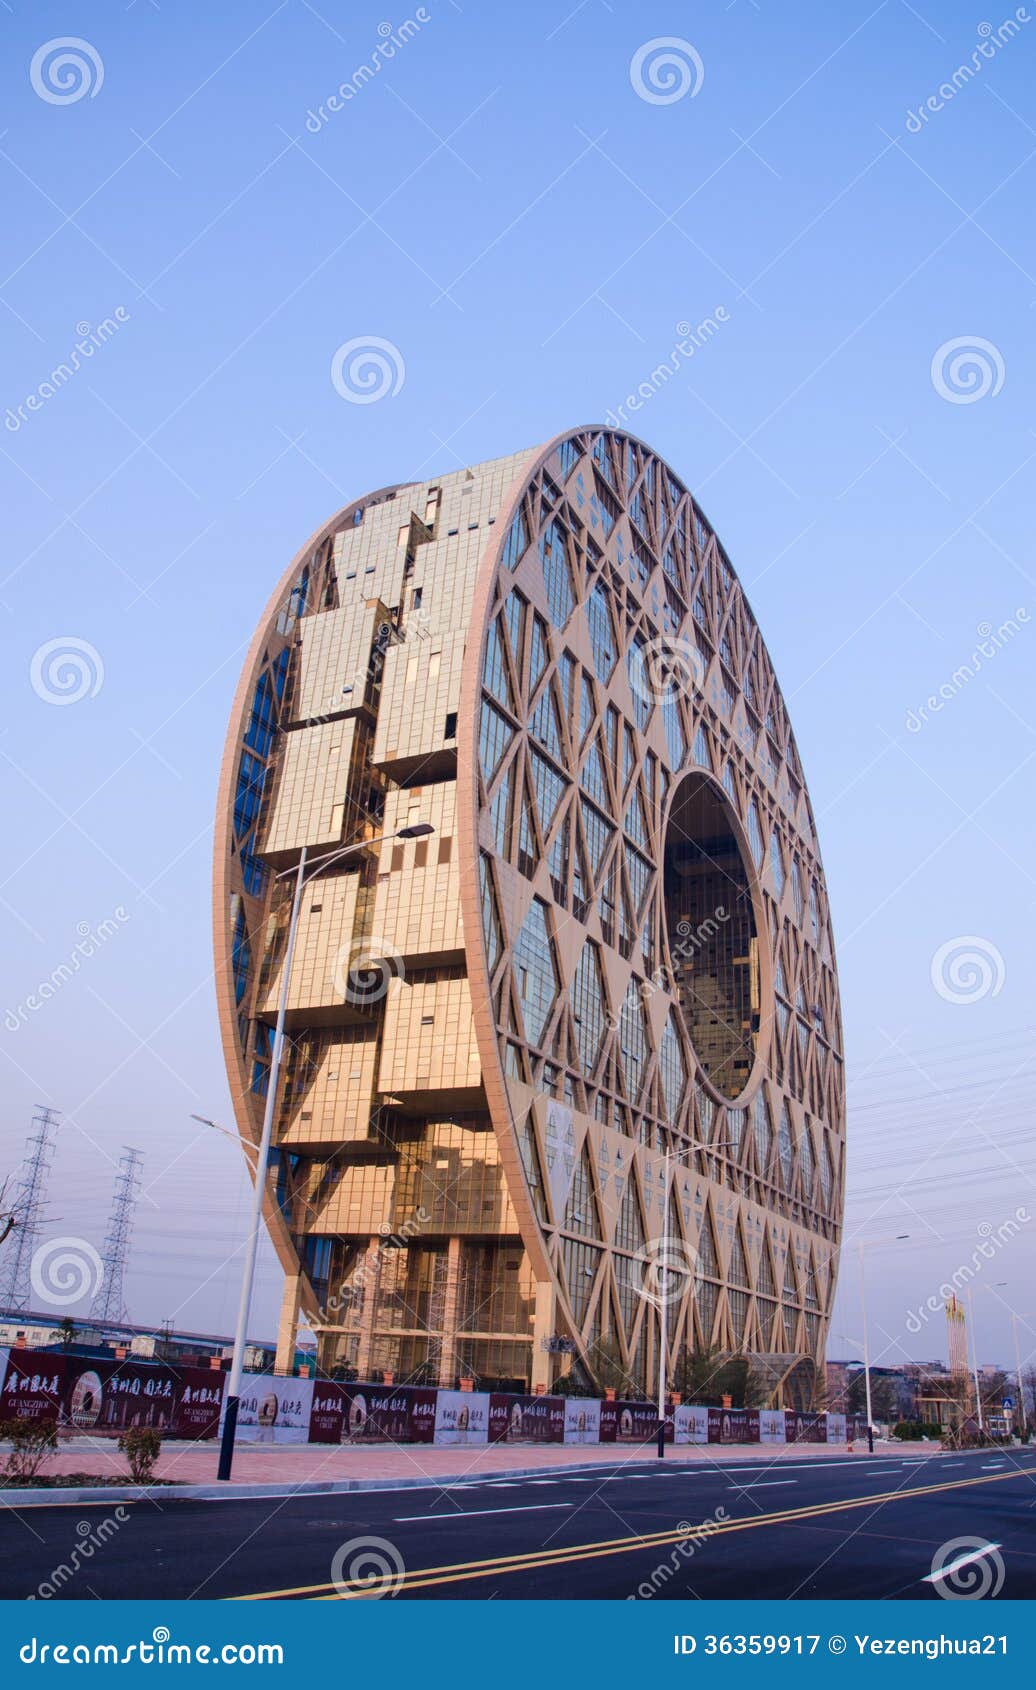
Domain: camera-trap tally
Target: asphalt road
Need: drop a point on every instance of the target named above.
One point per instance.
(840, 1527)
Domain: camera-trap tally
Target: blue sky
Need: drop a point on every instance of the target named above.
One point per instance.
(502, 204)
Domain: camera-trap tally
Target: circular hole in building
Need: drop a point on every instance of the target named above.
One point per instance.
(711, 929)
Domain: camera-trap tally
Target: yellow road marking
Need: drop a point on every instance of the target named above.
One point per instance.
(461, 1571)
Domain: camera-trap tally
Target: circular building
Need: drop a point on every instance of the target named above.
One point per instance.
(564, 1074)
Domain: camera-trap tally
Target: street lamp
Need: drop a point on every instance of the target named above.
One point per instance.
(1000, 1285)
(203, 1120)
(303, 874)
(1015, 1318)
(864, 1244)
(662, 1321)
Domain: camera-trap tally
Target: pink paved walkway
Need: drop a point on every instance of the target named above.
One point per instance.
(194, 1463)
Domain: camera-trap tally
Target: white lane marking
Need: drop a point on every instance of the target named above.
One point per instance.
(876, 1472)
(762, 1484)
(476, 1513)
(961, 1561)
(992, 1466)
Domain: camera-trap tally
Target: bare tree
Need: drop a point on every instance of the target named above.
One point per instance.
(8, 1218)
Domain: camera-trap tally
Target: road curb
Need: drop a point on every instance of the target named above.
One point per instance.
(51, 1496)
(48, 1495)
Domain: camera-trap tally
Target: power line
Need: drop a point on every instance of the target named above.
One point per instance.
(962, 1052)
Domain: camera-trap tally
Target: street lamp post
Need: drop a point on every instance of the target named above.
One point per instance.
(864, 1243)
(663, 1321)
(974, 1362)
(1015, 1318)
(303, 873)
(992, 1290)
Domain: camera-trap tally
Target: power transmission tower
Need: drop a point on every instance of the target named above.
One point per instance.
(109, 1301)
(29, 1211)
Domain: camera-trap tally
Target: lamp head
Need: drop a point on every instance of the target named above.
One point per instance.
(416, 830)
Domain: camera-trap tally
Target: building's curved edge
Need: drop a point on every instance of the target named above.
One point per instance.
(221, 849)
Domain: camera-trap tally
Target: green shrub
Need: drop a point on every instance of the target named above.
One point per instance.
(31, 1441)
(142, 1446)
(911, 1430)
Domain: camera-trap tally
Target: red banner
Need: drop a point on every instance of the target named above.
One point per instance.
(327, 1415)
(132, 1393)
(805, 1428)
(733, 1425)
(197, 1408)
(537, 1420)
(399, 1414)
(633, 1423)
(84, 1394)
(34, 1385)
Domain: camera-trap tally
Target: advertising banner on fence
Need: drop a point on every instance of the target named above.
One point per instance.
(632, 1423)
(98, 1395)
(34, 1385)
(327, 1413)
(691, 1421)
(273, 1410)
(462, 1417)
(771, 1426)
(733, 1425)
(538, 1420)
(133, 1393)
(582, 1421)
(836, 1432)
(398, 1414)
(805, 1428)
(196, 1414)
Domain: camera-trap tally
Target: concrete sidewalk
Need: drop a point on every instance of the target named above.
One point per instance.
(279, 1469)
